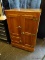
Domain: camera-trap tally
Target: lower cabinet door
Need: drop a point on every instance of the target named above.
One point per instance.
(28, 39)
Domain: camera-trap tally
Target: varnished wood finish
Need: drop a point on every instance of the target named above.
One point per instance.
(23, 27)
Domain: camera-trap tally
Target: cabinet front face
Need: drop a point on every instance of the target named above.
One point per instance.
(23, 28)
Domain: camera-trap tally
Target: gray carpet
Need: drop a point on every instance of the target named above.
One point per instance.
(7, 52)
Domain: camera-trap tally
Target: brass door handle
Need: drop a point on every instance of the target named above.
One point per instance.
(18, 27)
(34, 18)
(20, 41)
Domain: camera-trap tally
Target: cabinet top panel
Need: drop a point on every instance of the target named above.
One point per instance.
(25, 10)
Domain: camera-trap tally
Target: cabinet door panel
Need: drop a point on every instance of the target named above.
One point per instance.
(13, 24)
(27, 40)
(31, 25)
(30, 40)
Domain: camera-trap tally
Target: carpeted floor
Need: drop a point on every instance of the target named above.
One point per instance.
(7, 52)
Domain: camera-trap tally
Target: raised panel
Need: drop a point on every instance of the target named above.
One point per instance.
(30, 39)
(31, 24)
(13, 24)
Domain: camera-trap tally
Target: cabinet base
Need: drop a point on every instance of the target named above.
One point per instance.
(31, 49)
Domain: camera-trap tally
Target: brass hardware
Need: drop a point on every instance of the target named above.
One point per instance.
(27, 33)
(22, 33)
(34, 18)
(32, 34)
(18, 27)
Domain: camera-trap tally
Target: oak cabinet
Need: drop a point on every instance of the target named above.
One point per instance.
(23, 27)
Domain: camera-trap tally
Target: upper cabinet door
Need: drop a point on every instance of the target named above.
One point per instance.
(14, 24)
(31, 24)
